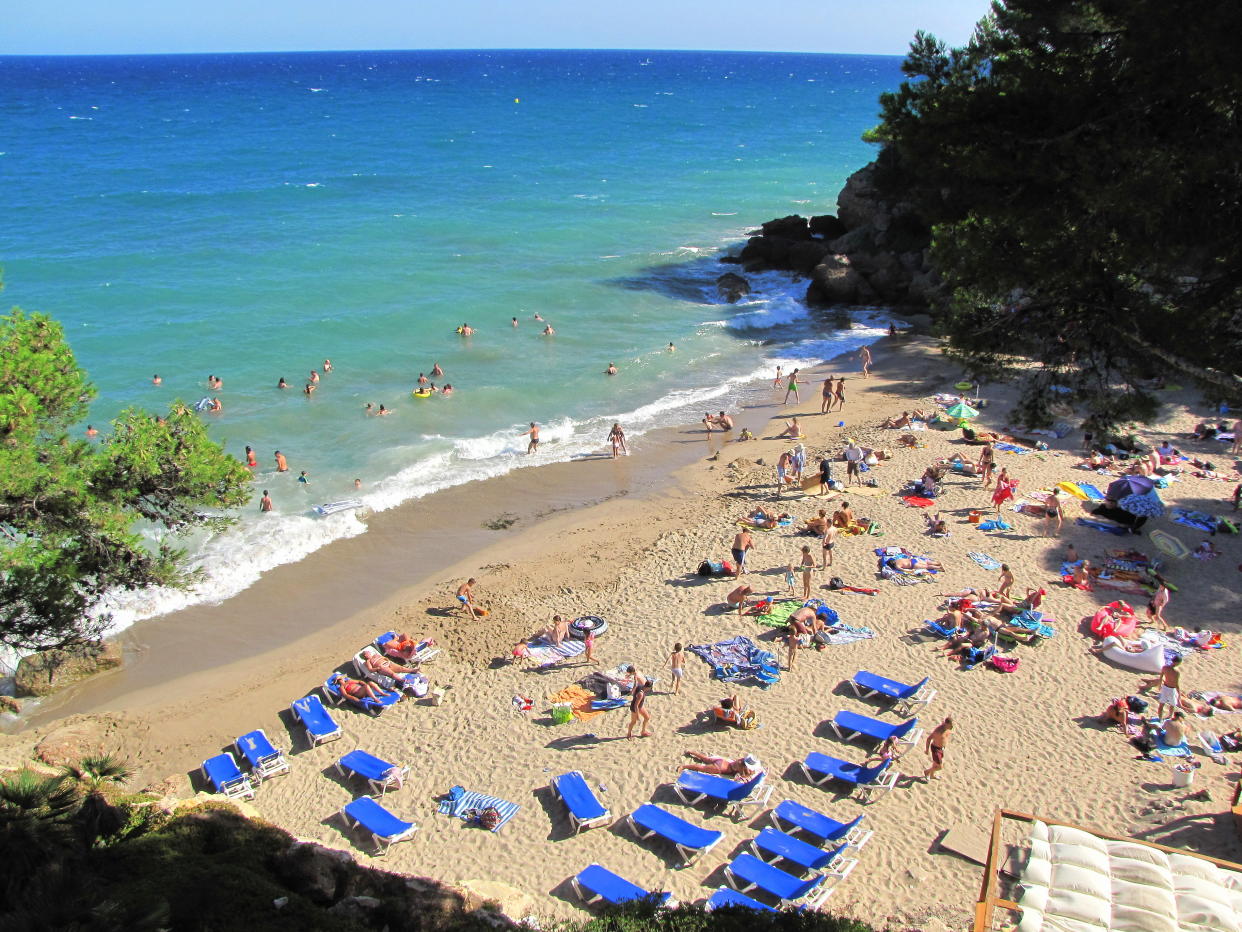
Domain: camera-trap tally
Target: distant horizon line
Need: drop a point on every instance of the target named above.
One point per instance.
(453, 49)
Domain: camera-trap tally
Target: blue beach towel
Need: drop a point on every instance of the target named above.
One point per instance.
(1196, 519)
(994, 524)
(1091, 491)
(987, 562)
(459, 807)
(1102, 526)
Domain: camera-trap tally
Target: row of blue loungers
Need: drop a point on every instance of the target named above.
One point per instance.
(383, 827)
(819, 845)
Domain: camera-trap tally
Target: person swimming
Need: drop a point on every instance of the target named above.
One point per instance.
(156, 380)
(515, 321)
(447, 389)
(548, 331)
(422, 379)
(382, 411)
(436, 371)
(611, 370)
(314, 375)
(282, 383)
(327, 365)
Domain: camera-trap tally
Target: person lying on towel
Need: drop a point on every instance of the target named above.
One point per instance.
(743, 768)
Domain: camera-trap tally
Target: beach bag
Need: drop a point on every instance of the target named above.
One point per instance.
(1136, 704)
(455, 793)
(1004, 664)
(836, 583)
(488, 818)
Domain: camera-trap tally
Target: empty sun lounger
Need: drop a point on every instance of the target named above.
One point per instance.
(693, 787)
(381, 775)
(821, 769)
(728, 897)
(824, 829)
(690, 840)
(585, 810)
(850, 725)
(383, 827)
(332, 690)
(226, 777)
(310, 711)
(746, 873)
(594, 884)
(904, 696)
(265, 760)
(772, 845)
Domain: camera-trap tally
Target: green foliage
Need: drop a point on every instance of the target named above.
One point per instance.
(36, 813)
(69, 509)
(93, 777)
(1077, 161)
(644, 917)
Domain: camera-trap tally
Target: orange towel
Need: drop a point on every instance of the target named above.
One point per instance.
(580, 699)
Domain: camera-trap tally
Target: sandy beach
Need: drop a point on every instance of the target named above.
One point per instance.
(1029, 740)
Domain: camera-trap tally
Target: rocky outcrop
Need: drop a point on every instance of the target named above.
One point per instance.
(46, 671)
(732, 287)
(873, 251)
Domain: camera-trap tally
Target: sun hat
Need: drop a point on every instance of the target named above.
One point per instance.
(752, 762)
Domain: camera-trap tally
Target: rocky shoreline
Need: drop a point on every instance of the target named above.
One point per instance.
(874, 250)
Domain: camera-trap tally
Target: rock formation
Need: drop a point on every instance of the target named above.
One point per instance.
(873, 251)
(46, 671)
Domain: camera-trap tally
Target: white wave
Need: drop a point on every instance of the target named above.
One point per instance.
(714, 214)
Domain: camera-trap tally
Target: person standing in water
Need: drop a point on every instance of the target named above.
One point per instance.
(436, 371)
(281, 464)
(515, 322)
(265, 503)
(251, 461)
(792, 386)
(672, 348)
(617, 438)
(612, 369)
(864, 356)
(534, 438)
(156, 380)
(327, 365)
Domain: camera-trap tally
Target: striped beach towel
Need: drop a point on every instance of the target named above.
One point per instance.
(987, 562)
(472, 800)
(546, 654)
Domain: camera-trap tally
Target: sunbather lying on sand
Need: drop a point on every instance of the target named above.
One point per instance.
(1130, 646)
(1096, 460)
(914, 563)
(764, 519)
(897, 422)
(742, 768)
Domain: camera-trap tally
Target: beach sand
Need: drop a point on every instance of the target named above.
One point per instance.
(1028, 740)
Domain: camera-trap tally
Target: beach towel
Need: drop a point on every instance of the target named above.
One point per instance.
(580, 699)
(994, 524)
(1196, 519)
(1036, 622)
(987, 562)
(917, 501)
(846, 634)
(1092, 492)
(1102, 526)
(459, 807)
(735, 659)
(778, 617)
(1011, 448)
(1173, 750)
(546, 654)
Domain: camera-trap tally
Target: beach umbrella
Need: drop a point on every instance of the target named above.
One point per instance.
(962, 410)
(1142, 504)
(1128, 485)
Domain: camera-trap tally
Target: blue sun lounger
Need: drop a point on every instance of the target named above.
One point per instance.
(772, 845)
(904, 696)
(726, 896)
(265, 760)
(379, 774)
(585, 810)
(332, 690)
(821, 769)
(310, 711)
(226, 777)
(824, 829)
(693, 787)
(940, 630)
(594, 884)
(746, 874)
(850, 725)
(384, 828)
(690, 840)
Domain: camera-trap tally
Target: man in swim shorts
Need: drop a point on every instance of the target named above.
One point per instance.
(265, 503)
(534, 438)
(1170, 679)
(742, 542)
(281, 464)
(465, 595)
(935, 745)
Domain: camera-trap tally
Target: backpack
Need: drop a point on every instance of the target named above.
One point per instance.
(836, 583)
(1136, 704)
(488, 818)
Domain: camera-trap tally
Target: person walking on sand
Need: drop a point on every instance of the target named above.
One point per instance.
(826, 396)
(792, 386)
(808, 569)
(987, 463)
(265, 503)
(792, 645)
(677, 663)
(534, 438)
(465, 595)
(742, 543)
(935, 744)
(1155, 607)
(638, 704)
(827, 542)
(840, 394)
(776, 382)
(864, 356)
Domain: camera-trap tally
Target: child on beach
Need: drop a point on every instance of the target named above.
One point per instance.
(789, 577)
(677, 663)
(808, 569)
(589, 643)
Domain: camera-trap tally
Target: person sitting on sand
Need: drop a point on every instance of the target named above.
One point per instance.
(815, 526)
(1117, 712)
(1174, 731)
(926, 486)
(356, 691)
(405, 648)
(937, 526)
(1080, 578)
(557, 632)
(897, 422)
(738, 597)
(743, 768)
(843, 517)
(745, 434)
(1096, 460)
(793, 430)
(730, 711)
(974, 640)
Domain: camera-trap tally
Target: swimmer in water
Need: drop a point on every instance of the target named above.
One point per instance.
(303, 479)
(467, 330)
(369, 409)
(537, 316)
(216, 407)
(281, 464)
(309, 389)
(251, 461)
(515, 321)
(447, 389)
(382, 412)
(90, 431)
(357, 483)
(672, 348)
(156, 380)
(422, 379)
(534, 438)
(436, 371)
(611, 370)
(265, 503)
(314, 375)
(548, 331)
(282, 383)
(327, 365)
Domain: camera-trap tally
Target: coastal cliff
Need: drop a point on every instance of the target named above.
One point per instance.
(874, 250)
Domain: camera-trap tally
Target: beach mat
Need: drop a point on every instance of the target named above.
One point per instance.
(918, 501)
(472, 800)
(1101, 526)
(968, 842)
(580, 699)
(779, 616)
(987, 562)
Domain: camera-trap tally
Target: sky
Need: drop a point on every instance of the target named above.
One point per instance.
(108, 27)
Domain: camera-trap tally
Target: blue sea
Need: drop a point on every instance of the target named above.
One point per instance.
(248, 216)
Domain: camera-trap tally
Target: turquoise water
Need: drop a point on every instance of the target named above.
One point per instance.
(249, 215)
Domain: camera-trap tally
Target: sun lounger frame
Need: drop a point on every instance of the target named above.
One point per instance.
(313, 737)
(392, 778)
(688, 854)
(232, 785)
(773, 845)
(263, 765)
(875, 730)
(814, 889)
(841, 833)
(735, 796)
(580, 824)
(903, 696)
(426, 655)
(355, 819)
(590, 895)
(727, 896)
(881, 778)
